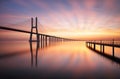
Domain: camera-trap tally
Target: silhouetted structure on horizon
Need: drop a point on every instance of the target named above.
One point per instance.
(32, 29)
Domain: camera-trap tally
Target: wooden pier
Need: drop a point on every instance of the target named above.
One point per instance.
(102, 44)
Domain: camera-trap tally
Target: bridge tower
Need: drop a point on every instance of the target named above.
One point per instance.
(34, 26)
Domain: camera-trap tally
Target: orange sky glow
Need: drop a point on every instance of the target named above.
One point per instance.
(77, 19)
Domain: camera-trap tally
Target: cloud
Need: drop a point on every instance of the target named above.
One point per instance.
(23, 3)
(109, 4)
(68, 16)
(90, 3)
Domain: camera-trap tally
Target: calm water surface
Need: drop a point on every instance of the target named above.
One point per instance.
(67, 60)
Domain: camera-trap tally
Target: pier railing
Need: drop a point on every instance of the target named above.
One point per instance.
(114, 44)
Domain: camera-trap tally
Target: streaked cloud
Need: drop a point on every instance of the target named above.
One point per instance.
(65, 16)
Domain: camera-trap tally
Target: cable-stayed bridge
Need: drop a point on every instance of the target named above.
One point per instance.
(40, 36)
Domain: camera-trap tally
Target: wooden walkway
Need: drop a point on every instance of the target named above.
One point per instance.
(102, 44)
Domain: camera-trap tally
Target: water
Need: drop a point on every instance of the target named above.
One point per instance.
(68, 60)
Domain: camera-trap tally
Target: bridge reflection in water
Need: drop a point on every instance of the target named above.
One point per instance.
(35, 46)
(34, 54)
(57, 60)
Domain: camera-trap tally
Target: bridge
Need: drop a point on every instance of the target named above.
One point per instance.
(39, 36)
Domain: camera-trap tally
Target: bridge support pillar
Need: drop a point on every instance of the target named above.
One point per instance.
(41, 40)
(46, 40)
(49, 40)
(32, 28)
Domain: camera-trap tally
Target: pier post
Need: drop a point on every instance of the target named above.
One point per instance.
(103, 48)
(100, 46)
(113, 48)
(94, 46)
(91, 45)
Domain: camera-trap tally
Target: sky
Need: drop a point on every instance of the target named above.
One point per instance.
(77, 19)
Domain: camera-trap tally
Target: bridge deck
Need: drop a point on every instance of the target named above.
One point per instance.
(23, 31)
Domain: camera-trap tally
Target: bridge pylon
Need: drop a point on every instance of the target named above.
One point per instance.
(34, 26)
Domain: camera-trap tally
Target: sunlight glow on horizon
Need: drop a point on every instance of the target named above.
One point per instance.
(87, 35)
(64, 18)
